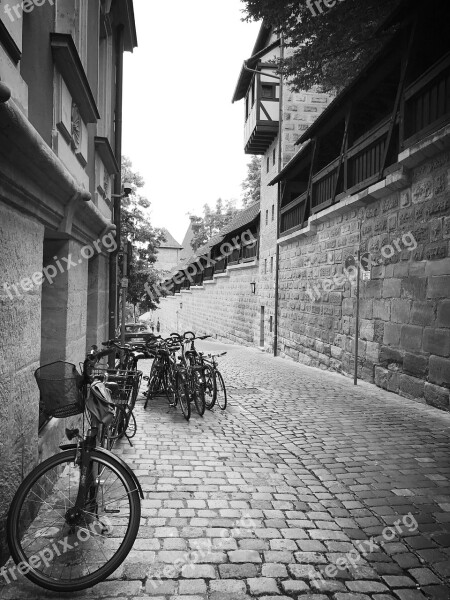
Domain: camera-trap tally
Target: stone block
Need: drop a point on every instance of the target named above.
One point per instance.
(439, 287)
(411, 387)
(422, 313)
(390, 355)
(437, 396)
(366, 330)
(373, 288)
(381, 377)
(438, 267)
(443, 314)
(415, 364)
(411, 337)
(392, 288)
(414, 288)
(439, 370)
(392, 332)
(400, 311)
(436, 341)
(382, 310)
(393, 381)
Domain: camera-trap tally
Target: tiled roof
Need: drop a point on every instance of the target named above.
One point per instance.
(241, 219)
(170, 241)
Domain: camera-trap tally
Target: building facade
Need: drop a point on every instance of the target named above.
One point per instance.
(60, 66)
(169, 253)
(361, 194)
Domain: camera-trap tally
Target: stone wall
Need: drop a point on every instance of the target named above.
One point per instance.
(224, 307)
(300, 109)
(20, 326)
(405, 308)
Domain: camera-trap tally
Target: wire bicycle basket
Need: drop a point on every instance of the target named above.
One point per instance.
(127, 383)
(60, 387)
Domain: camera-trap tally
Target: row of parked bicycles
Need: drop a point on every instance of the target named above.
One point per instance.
(75, 517)
(185, 375)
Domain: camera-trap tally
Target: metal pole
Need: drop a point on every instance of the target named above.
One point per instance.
(280, 166)
(124, 292)
(358, 276)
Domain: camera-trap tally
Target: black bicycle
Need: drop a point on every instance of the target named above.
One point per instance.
(167, 376)
(75, 517)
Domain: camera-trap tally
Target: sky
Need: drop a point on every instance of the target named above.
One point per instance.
(180, 129)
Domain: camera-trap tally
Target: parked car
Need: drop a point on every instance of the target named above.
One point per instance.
(136, 333)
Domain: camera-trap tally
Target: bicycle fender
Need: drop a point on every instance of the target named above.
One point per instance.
(119, 460)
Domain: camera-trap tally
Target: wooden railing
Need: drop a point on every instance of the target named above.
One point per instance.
(360, 167)
(427, 101)
(292, 214)
(250, 251)
(220, 266)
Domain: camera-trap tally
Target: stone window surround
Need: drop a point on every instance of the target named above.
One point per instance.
(397, 178)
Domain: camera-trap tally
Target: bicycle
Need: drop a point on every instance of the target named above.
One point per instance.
(75, 517)
(167, 377)
(192, 372)
(218, 383)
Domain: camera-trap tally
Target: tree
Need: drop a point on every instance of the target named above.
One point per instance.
(328, 46)
(212, 222)
(136, 227)
(252, 183)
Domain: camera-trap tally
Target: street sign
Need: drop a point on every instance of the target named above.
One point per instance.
(365, 262)
(124, 283)
(365, 275)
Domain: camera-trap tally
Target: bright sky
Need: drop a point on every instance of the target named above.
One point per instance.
(181, 131)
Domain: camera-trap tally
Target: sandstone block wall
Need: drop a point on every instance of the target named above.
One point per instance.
(20, 332)
(405, 307)
(225, 308)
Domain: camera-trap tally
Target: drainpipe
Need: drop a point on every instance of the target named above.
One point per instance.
(280, 166)
(113, 267)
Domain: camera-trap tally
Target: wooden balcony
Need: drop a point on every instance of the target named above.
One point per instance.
(261, 126)
(292, 215)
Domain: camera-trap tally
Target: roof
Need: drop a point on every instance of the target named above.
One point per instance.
(241, 219)
(170, 241)
(260, 49)
(186, 243)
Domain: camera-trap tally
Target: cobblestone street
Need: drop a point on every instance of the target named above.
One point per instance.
(302, 471)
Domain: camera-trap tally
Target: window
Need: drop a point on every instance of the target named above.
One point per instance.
(268, 164)
(268, 91)
(271, 324)
(267, 217)
(271, 264)
(265, 265)
(273, 212)
(274, 156)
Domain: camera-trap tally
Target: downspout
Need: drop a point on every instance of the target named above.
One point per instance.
(280, 165)
(113, 267)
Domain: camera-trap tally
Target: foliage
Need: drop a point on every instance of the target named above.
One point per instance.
(326, 46)
(252, 183)
(136, 227)
(211, 222)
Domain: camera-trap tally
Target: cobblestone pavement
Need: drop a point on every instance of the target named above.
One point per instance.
(306, 487)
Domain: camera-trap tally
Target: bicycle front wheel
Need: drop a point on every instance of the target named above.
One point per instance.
(199, 393)
(221, 391)
(62, 546)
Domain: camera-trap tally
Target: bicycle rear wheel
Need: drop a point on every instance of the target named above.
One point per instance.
(182, 395)
(209, 386)
(221, 391)
(199, 393)
(65, 548)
